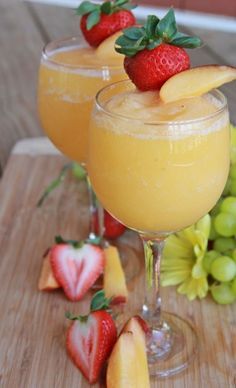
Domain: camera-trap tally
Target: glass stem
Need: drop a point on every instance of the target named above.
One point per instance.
(96, 228)
(152, 305)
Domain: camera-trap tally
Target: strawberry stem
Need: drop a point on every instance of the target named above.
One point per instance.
(54, 184)
(74, 243)
(100, 302)
(94, 11)
(78, 244)
(77, 171)
(154, 32)
(71, 317)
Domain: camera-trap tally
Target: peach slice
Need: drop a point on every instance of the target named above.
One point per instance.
(106, 49)
(47, 281)
(196, 81)
(139, 328)
(127, 366)
(114, 283)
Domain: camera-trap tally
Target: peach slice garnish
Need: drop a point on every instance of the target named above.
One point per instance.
(114, 283)
(196, 81)
(47, 281)
(106, 49)
(127, 365)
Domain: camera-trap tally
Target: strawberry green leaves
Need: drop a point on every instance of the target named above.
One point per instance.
(94, 11)
(154, 32)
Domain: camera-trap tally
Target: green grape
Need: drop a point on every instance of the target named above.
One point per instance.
(233, 154)
(213, 233)
(209, 257)
(226, 190)
(233, 255)
(233, 286)
(228, 205)
(216, 209)
(224, 244)
(232, 171)
(222, 293)
(223, 269)
(233, 135)
(225, 224)
(232, 186)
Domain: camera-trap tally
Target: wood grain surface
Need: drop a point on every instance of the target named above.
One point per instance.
(26, 27)
(32, 324)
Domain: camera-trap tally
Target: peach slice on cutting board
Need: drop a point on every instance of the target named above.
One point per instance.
(114, 283)
(196, 81)
(127, 365)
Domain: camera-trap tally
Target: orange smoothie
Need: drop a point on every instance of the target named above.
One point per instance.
(69, 79)
(158, 167)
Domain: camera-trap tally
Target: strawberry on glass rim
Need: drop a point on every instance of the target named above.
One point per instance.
(90, 338)
(99, 21)
(155, 51)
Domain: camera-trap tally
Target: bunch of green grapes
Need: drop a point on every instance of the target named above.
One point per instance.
(220, 260)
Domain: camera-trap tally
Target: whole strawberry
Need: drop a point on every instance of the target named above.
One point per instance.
(112, 228)
(90, 338)
(98, 22)
(155, 52)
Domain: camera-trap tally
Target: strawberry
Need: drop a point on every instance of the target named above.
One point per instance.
(112, 227)
(76, 267)
(158, 65)
(155, 51)
(91, 338)
(98, 22)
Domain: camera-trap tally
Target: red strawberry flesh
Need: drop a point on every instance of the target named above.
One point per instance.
(89, 343)
(107, 26)
(76, 269)
(149, 69)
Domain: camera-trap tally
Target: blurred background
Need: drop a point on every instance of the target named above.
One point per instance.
(25, 27)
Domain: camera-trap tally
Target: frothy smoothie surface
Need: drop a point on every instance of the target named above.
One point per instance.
(85, 57)
(148, 106)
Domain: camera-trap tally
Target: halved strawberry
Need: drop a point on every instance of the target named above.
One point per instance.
(99, 21)
(76, 267)
(90, 340)
(155, 52)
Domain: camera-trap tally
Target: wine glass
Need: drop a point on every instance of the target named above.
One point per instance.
(69, 77)
(157, 177)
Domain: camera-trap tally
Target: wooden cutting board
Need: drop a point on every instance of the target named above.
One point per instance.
(32, 323)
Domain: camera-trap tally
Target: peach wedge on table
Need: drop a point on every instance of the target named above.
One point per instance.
(47, 281)
(127, 365)
(196, 81)
(114, 283)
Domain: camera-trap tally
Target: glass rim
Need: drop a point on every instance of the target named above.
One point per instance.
(160, 122)
(81, 43)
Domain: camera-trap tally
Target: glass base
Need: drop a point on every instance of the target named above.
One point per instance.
(171, 345)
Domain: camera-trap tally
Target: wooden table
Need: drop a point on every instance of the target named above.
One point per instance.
(26, 27)
(32, 324)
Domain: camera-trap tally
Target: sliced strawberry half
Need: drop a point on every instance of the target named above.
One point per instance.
(76, 268)
(90, 340)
